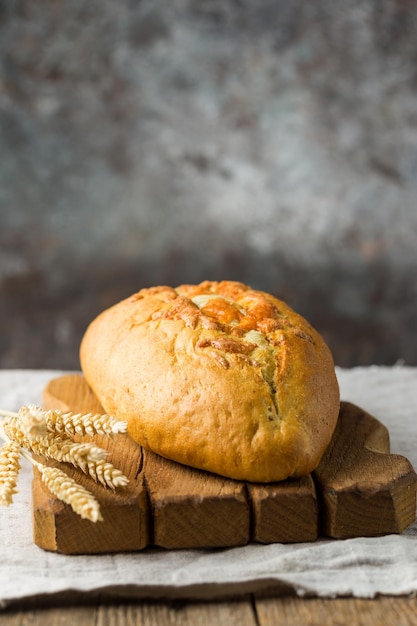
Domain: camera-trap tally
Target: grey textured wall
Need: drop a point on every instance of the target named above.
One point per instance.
(268, 141)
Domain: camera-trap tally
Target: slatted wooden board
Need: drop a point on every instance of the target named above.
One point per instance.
(359, 489)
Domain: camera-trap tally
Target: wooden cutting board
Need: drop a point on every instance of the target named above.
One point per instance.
(359, 489)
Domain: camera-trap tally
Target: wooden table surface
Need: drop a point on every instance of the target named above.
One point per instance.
(248, 611)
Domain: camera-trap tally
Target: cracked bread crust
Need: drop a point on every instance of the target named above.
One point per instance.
(216, 376)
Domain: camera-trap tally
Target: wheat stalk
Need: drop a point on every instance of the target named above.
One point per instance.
(69, 491)
(85, 456)
(32, 422)
(37, 422)
(49, 434)
(89, 424)
(9, 470)
(106, 474)
(51, 447)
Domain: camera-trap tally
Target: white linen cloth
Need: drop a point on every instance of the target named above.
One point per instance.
(361, 567)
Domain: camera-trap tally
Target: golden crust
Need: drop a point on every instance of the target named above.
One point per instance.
(217, 376)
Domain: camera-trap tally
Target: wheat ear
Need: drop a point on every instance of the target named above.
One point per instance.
(67, 424)
(69, 491)
(89, 424)
(60, 484)
(106, 474)
(9, 471)
(50, 434)
(51, 447)
(85, 456)
(32, 422)
(37, 422)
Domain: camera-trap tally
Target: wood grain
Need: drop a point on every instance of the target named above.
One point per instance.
(359, 489)
(126, 528)
(364, 489)
(341, 611)
(185, 614)
(194, 509)
(283, 512)
(251, 611)
(70, 392)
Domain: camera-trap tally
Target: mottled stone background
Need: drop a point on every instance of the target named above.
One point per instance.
(268, 141)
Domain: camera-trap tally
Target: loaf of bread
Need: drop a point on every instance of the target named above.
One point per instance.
(216, 376)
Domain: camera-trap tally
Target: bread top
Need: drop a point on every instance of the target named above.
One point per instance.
(217, 376)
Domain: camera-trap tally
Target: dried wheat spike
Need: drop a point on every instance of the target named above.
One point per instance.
(9, 470)
(50, 447)
(37, 422)
(69, 491)
(78, 454)
(69, 424)
(90, 459)
(85, 456)
(32, 420)
(107, 475)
